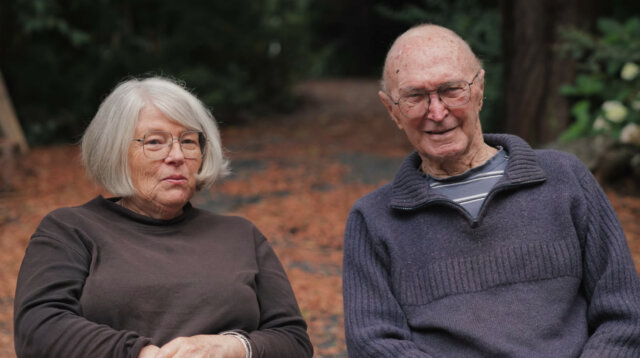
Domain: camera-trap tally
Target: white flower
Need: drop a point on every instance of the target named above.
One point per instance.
(629, 71)
(601, 124)
(274, 49)
(630, 134)
(614, 111)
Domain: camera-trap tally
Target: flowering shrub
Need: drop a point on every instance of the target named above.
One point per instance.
(607, 86)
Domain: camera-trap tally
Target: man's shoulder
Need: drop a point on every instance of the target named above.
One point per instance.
(375, 199)
(546, 158)
(559, 160)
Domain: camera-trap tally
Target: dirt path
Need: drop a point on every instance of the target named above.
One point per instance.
(295, 177)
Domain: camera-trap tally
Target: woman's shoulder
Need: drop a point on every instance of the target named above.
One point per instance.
(74, 212)
(203, 214)
(213, 220)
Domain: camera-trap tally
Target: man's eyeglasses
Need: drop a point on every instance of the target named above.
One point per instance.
(157, 144)
(452, 94)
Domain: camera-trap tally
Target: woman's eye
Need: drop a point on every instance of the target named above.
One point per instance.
(154, 141)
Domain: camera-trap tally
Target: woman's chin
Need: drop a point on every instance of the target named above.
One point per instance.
(174, 199)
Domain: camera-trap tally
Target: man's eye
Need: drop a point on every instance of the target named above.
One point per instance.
(451, 91)
(414, 97)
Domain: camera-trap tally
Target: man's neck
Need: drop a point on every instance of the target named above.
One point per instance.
(456, 166)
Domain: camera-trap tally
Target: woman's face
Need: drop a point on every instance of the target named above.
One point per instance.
(162, 185)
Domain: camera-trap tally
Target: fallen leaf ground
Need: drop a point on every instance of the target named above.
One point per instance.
(295, 176)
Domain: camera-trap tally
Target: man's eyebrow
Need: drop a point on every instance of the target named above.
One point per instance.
(411, 89)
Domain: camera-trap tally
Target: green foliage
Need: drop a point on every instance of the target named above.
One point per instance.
(64, 56)
(476, 22)
(607, 87)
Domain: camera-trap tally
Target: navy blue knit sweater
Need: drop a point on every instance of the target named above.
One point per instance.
(544, 270)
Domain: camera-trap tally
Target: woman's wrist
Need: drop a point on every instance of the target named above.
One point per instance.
(148, 351)
(243, 340)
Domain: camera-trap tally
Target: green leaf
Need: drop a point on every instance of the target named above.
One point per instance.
(609, 27)
(568, 90)
(588, 85)
(582, 126)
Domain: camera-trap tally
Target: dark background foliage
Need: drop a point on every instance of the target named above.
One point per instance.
(59, 58)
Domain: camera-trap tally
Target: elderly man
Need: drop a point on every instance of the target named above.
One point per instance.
(481, 246)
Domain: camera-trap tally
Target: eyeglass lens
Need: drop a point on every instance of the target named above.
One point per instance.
(453, 94)
(157, 144)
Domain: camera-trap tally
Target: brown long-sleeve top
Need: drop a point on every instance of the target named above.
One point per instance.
(101, 281)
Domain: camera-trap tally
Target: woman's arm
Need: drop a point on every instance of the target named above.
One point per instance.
(48, 319)
(282, 332)
(201, 346)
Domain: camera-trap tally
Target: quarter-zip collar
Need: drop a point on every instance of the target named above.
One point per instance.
(410, 191)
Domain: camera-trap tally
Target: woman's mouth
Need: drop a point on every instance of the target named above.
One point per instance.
(175, 179)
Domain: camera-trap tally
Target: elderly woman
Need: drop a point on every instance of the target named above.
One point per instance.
(145, 274)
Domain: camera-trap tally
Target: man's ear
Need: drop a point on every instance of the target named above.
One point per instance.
(388, 104)
(481, 86)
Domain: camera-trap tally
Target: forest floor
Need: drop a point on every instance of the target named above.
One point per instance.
(295, 176)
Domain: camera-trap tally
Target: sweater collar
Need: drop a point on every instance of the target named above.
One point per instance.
(409, 189)
(111, 205)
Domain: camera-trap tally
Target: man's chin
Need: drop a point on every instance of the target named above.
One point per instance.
(445, 152)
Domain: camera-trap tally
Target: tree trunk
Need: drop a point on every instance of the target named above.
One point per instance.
(534, 71)
(9, 125)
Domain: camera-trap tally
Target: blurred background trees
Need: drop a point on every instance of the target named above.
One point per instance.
(543, 58)
(61, 57)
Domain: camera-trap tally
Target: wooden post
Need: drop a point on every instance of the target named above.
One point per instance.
(9, 125)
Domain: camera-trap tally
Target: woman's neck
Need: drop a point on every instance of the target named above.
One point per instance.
(150, 209)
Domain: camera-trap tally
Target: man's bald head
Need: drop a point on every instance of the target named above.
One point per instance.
(440, 43)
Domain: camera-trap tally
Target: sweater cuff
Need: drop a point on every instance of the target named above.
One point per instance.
(245, 342)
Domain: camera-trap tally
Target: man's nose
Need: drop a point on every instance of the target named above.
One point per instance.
(437, 110)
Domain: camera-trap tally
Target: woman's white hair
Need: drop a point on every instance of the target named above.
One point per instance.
(106, 141)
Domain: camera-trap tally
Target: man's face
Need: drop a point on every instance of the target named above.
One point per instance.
(441, 134)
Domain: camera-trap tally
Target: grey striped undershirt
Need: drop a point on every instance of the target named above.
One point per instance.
(470, 189)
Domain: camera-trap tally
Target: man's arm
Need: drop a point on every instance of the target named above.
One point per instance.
(375, 325)
(611, 283)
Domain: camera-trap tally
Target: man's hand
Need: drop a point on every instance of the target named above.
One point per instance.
(202, 346)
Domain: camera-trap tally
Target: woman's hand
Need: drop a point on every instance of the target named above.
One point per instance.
(149, 351)
(203, 346)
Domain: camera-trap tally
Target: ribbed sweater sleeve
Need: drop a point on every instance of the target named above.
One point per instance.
(610, 280)
(375, 325)
(48, 320)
